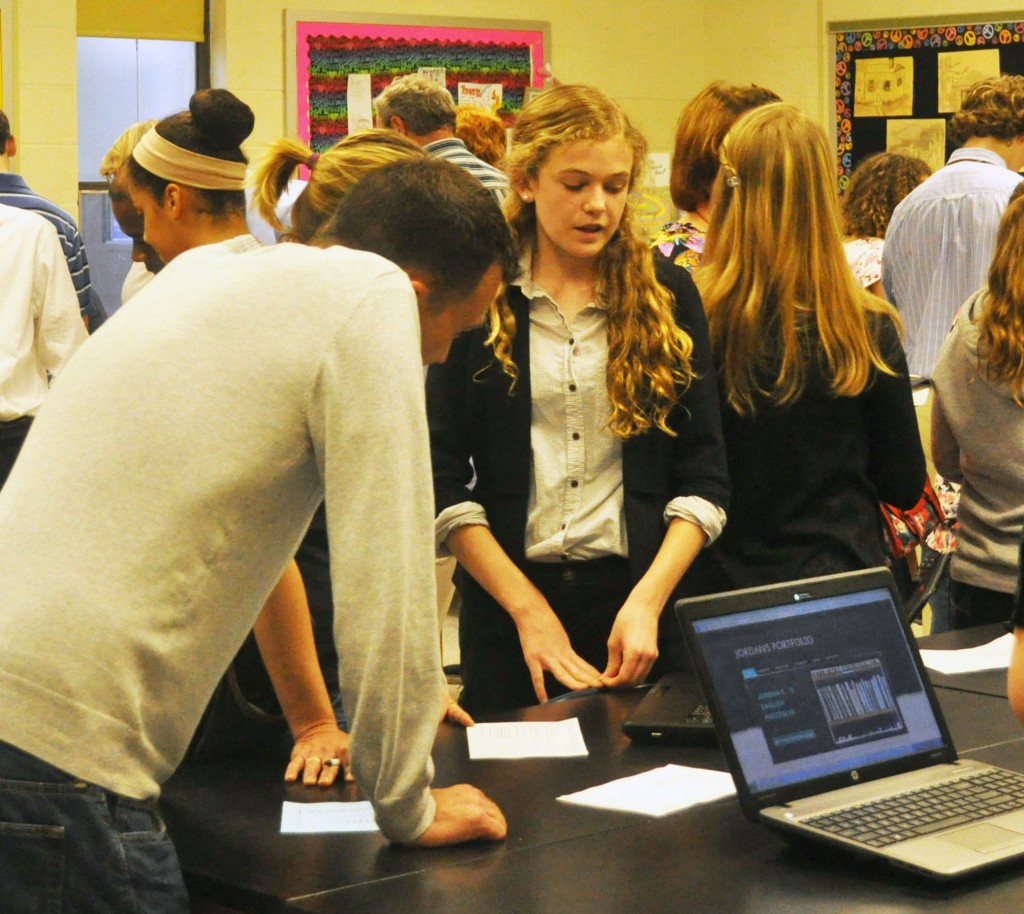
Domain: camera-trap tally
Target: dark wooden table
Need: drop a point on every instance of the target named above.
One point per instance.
(225, 820)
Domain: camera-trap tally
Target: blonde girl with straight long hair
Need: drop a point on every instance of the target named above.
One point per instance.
(816, 402)
(978, 432)
(586, 410)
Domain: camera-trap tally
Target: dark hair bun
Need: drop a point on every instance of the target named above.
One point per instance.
(222, 118)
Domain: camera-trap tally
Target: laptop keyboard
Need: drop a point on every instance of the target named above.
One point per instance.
(930, 809)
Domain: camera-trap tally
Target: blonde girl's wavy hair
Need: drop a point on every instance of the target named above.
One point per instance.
(780, 297)
(648, 353)
(1001, 325)
(332, 175)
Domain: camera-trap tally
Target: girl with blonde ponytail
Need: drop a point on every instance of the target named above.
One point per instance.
(586, 411)
(333, 174)
(816, 404)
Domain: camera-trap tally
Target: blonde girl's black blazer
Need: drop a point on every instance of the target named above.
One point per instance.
(477, 424)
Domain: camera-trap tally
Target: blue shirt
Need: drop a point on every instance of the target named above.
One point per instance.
(15, 192)
(939, 246)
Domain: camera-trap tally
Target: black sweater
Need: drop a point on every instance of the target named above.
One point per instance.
(807, 479)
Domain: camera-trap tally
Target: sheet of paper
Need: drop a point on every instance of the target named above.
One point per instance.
(657, 792)
(527, 739)
(992, 656)
(317, 818)
(480, 95)
(360, 102)
(437, 74)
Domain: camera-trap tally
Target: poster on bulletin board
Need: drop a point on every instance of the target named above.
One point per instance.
(897, 87)
(508, 58)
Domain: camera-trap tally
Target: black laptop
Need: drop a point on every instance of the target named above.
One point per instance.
(832, 731)
(674, 711)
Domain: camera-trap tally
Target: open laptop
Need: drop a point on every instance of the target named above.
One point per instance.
(828, 722)
(673, 711)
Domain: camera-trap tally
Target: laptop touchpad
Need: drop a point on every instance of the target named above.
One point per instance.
(985, 838)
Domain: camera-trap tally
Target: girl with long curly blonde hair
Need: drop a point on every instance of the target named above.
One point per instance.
(816, 402)
(586, 413)
(978, 431)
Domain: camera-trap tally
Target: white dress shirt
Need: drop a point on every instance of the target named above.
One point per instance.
(939, 246)
(40, 322)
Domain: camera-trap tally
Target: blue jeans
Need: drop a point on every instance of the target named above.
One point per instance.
(940, 601)
(68, 846)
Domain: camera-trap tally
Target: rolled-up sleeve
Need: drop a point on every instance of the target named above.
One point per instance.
(705, 514)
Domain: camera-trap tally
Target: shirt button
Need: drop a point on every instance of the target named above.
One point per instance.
(572, 342)
(572, 388)
(574, 483)
(575, 436)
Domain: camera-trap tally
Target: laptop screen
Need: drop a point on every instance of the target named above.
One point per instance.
(817, 687)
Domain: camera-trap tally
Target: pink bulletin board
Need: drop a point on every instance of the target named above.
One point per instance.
(475, 51)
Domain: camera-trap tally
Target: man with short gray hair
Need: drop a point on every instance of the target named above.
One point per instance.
(424, 111)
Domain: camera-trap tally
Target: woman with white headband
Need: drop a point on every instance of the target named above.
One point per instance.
(187, 175)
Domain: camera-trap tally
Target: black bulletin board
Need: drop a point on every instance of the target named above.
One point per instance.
(859, 136)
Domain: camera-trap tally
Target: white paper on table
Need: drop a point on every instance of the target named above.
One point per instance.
(314, 818)
(527, 739)
(992, 656)
(657, 792)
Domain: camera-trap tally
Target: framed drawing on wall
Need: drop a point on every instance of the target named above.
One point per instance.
(502, 59)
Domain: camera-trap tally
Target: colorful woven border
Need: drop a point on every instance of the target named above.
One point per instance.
(329, 52)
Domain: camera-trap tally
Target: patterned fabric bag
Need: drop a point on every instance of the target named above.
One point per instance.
(927, 523)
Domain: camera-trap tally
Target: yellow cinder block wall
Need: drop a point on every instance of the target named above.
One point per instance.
(645, 54)
(651, 55)
(44, 97)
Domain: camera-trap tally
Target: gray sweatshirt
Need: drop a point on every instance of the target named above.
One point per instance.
(169, 478)
(978, 441)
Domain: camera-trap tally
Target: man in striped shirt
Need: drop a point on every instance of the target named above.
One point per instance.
(15, 192)
(424, 111)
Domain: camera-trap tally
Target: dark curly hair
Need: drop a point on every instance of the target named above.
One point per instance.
(878, 183)
(990, 107)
